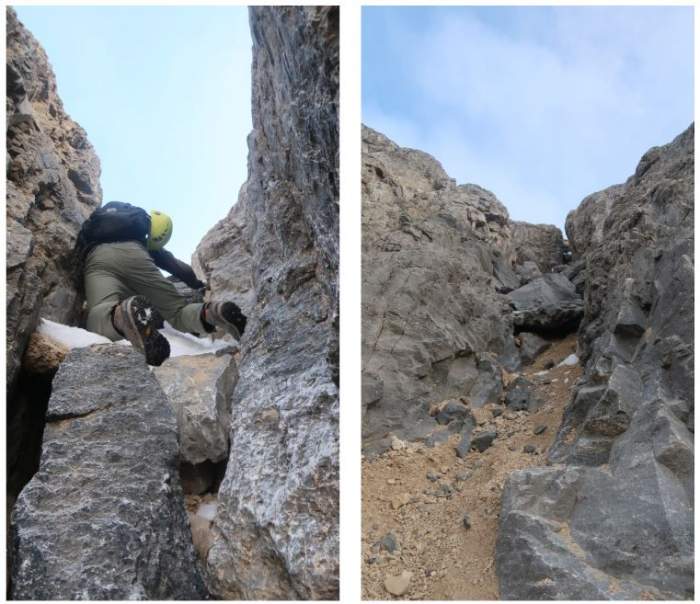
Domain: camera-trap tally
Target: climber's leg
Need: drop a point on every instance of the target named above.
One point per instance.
(103, 292)
(144, 278)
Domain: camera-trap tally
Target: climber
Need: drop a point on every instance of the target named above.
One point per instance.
(118, 253)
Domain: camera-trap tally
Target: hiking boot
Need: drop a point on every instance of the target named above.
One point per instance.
(137, 320)
(227, 316)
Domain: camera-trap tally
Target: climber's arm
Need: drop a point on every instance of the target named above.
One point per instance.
(179, 269)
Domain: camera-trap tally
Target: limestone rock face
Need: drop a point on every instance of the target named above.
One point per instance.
(104, 517)
(199, 390)
(614, 517)
(584, 225)
(224, 260)
(52, 186)
(539, 243)
(277, 522)
(433, 256)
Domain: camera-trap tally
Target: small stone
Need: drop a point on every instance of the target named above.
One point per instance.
(397, 444)
(531, 449)
(466, 521)
(463, 476)
(397, 585)
(389, 543)
(372, 559)
(400, 501)
(432, 477)
(541, 428)
(497, 411)
(391, 481)
(462, 449)
(483, 441)
(445, 491)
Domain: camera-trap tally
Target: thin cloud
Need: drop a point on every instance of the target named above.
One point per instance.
(541, 106)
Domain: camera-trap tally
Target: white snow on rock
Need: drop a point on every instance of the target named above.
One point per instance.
(71, 337)
(207, 510)
(181, 344)
(572, 359)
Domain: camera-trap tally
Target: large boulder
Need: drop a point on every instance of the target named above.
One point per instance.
(433, 256)
(199, 389)
(104, 517)
(52, 186)
(614, 518)
(549, 303)
(276, 527)
(539, 243)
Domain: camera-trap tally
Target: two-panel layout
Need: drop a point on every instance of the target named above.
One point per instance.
(173, 303)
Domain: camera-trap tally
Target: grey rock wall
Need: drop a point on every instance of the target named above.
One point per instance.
(104, 517)
(613, 517)
(277, 521)
(223, 258)
(434, 255)
(52, 186)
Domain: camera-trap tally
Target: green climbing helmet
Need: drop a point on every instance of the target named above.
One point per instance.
(161, 230)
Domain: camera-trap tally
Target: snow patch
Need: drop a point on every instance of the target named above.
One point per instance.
(71, 337)
(181, 344)
(572, 359)
(207, 511)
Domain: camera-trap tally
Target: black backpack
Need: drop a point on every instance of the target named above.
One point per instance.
(116, 221)
(113, 222)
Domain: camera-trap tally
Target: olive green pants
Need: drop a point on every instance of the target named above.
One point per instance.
(116, 271)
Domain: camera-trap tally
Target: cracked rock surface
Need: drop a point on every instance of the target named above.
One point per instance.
(433, 254)
(80, 532)
(52, 187)
(276, 527)
(613, 518)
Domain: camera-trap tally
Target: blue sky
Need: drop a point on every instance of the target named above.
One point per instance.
(164, 95)
(542, 106)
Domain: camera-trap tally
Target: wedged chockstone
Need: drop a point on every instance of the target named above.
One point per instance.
(548, 303)
(199, 389)
(104, 517)
(541, 244)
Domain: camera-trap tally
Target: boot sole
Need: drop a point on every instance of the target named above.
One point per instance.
(146, 321)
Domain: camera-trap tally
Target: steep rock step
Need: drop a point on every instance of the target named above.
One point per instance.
(104, 516)
(433, 512)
